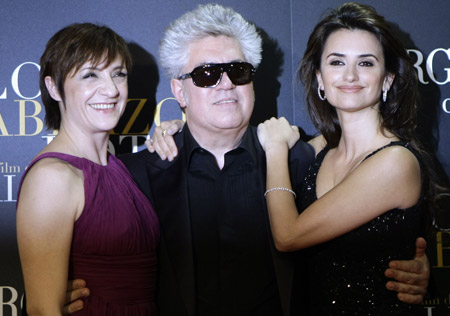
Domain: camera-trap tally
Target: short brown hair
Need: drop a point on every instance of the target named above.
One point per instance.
(68, 50)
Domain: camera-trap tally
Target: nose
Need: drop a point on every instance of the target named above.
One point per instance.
(109, 88)
(351, 73)
(225, 82)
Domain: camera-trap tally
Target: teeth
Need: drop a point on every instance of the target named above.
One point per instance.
(226, 101)
(102, 106)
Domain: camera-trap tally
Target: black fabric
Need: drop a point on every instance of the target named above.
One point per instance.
(166, 185)
(346, 274)
(230, 241)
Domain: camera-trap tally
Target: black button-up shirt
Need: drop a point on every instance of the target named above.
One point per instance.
(224, 262)
(232, 256)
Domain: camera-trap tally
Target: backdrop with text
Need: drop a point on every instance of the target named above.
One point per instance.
(285, 25)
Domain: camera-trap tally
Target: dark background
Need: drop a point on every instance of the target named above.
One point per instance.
(26, 26)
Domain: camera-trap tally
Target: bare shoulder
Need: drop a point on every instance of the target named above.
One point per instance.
(397, 170)
(318, 143)
(53, 172)
(52, 185)
(397, 159)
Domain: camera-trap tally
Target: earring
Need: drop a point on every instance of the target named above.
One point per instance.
(320, 95)
(385, 95)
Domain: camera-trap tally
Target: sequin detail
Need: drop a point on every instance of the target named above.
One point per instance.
(346, 275)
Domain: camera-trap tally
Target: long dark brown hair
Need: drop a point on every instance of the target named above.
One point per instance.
(398, 113)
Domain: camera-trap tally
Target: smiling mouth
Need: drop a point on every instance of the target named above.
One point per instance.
(226, 102)
(102, 106)
(351, 89)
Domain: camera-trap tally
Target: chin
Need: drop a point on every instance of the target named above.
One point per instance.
(107, 127)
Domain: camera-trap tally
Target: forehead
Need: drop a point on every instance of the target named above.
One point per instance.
(99, 64)
(214, 49)
(352, 42)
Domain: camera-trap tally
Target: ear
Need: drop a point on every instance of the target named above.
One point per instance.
(319, 80)
(177, 90)
(52, 88)
(388, 80)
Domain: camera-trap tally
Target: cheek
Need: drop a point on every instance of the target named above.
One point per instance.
(123, 90)
(377, 85)
(188, 94)
(199, 96)
(251, 104)
(85, 92)
(186, 98)
(329, 77)
(375, 78)
(248, 95)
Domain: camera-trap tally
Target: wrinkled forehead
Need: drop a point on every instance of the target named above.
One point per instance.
(213, 50)
(98, 61)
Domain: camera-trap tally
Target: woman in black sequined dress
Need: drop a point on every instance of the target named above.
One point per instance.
(363, 197)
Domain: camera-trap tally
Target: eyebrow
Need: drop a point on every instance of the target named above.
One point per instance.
(359, 56)
(215, 63)
(98, 68)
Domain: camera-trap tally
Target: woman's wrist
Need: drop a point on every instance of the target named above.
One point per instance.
(276, 148)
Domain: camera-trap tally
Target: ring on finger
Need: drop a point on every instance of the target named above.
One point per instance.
(164, 133)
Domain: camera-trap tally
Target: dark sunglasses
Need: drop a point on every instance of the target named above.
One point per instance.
(209, 75)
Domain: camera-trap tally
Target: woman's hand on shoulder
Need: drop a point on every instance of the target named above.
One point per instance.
(162, 140)
(277, 133)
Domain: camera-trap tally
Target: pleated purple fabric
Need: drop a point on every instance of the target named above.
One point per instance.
(114, 240)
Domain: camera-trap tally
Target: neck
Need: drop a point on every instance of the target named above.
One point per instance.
(220, 142)
(78, 143)
(361, 132)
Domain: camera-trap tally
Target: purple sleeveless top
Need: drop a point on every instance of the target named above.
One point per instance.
(114, 240)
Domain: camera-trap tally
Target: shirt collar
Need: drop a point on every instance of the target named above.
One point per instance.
(247, 144)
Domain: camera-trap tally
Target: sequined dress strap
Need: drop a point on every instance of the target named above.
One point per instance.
(395, 143)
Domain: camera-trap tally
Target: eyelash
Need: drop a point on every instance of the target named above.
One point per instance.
(121, 74)
(362, 63)
(336, 63)
(366, 63)
(89, 75)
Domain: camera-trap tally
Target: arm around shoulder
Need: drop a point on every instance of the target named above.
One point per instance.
(393, 173)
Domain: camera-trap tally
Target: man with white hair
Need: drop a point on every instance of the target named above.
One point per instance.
(216, 254)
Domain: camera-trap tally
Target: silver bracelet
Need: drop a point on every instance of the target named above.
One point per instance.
(280, 189)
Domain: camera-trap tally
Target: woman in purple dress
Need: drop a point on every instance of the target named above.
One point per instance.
(80, 215)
